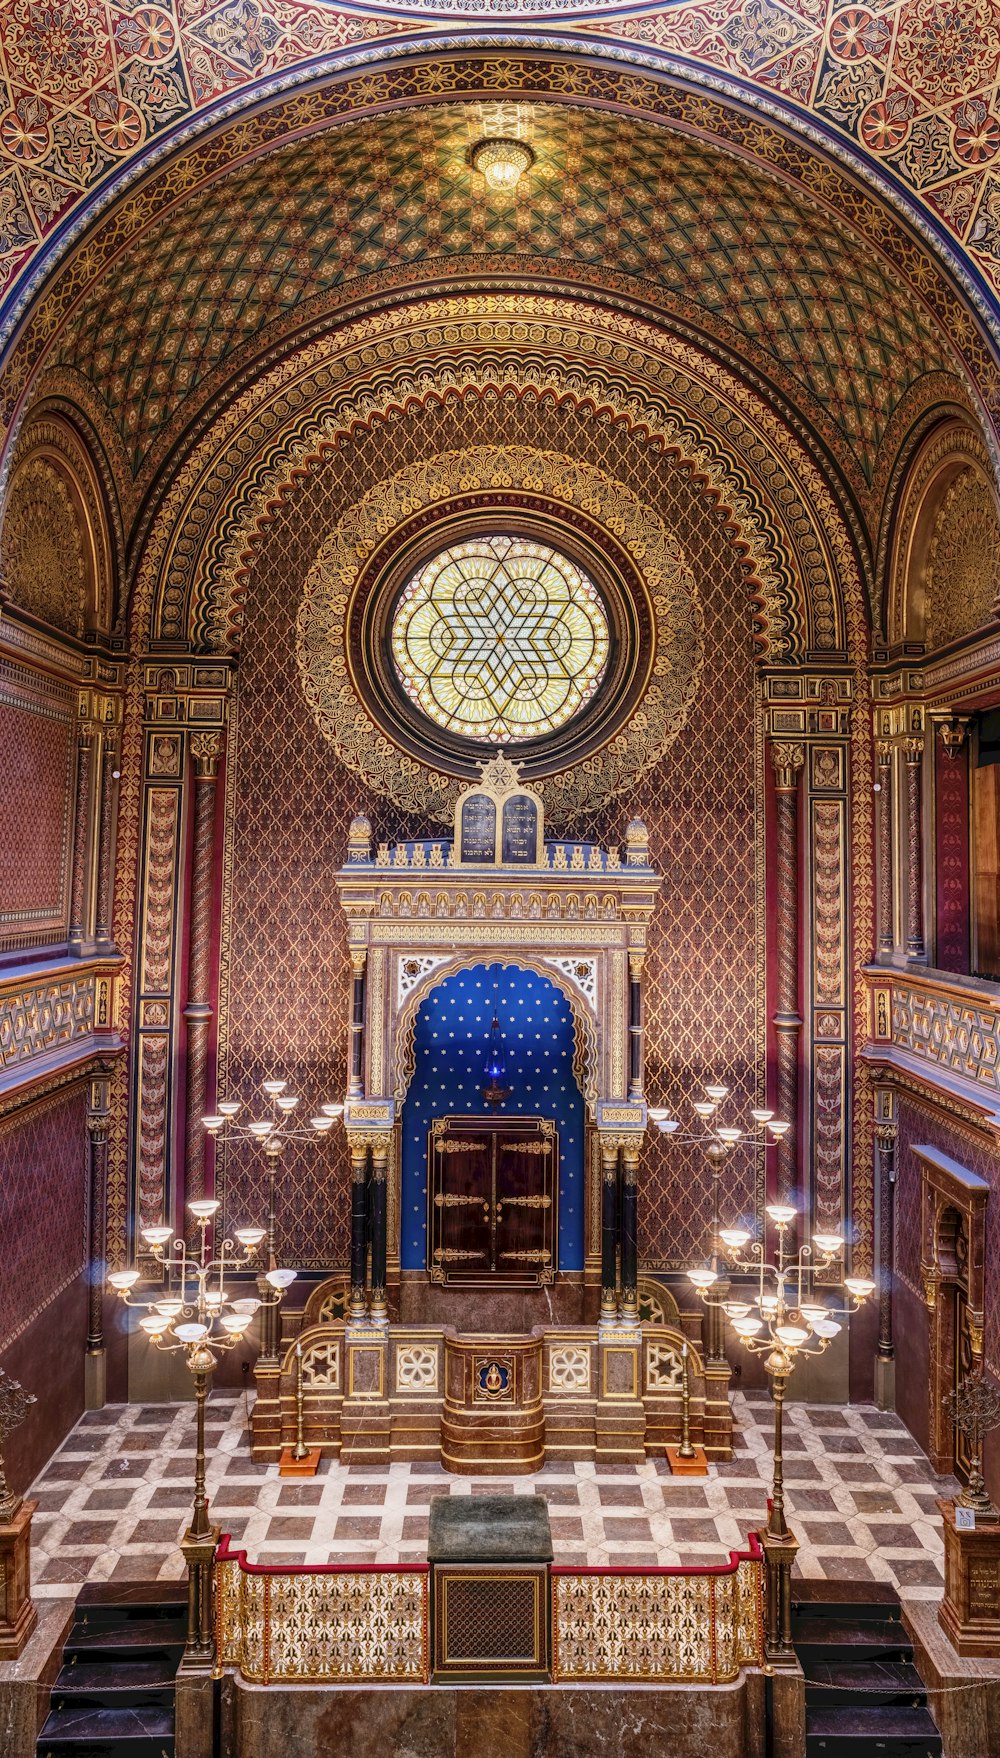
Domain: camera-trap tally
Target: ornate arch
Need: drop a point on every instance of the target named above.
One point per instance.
(797, 549)
(58, 552)
(586, 1057)
(948, 518)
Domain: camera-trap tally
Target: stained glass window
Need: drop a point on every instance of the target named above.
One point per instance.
(500, 639)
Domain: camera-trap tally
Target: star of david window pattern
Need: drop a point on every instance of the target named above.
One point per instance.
(500, 639)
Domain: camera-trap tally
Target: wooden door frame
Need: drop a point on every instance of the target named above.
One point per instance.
(948, 1188)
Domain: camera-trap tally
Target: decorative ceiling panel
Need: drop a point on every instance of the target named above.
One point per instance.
(90, 88)
(669, 216)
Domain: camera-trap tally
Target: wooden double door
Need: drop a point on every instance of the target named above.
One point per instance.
(493, 1197)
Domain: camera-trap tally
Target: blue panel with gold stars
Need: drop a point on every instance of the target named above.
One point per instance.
(450, 1044)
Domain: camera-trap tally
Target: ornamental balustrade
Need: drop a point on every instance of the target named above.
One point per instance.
(289, 1623)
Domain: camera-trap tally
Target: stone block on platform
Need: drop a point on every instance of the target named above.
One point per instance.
(694, 1466)
(489, 1529)
(17, 1612)
(970, 1610)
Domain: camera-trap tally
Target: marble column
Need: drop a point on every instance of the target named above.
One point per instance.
(105, 838)
(98, 1111)
(788, 761)
(883, 819)
(378, 1310)
(206, 754)
(629, 1248)
(81, 841)
(359, 1227)
(914, 750)
(609, 1232)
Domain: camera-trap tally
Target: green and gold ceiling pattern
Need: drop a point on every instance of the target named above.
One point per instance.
(610, 202)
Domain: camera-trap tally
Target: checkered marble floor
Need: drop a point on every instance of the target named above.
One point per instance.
(860, 1496)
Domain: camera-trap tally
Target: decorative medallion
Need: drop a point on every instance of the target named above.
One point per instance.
(494, 1381)
(368, 646)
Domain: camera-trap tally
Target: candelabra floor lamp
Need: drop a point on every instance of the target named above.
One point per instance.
(200, 1313)
(782, 1321)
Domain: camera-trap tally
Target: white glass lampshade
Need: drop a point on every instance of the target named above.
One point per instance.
(191, 1333)
(281, 1278)
(734, 1237)
(213, 1123)
(235, 1322)
(274, 1087)
(214, 1299)
(251, 1237)
(204, 1208)
(717, 1093)
(812, 1310)
(154, 1324)
(736, 1309)
(792, 1336)
(703, 1108)
(122, 1280)
(667, 1125)
(287, 1101)
(334, 1109)
(229, 1107)
(747, 1327)
(759, 1115)
(826, 1328)
(702, 1278)
(778, 1129)
(729, 1134)
(768, 1304)
(322, 1124)
(782, 1214)
(859, 1286)
(170, 1308)
(261, 1129)
(828, 1243)
(248, 1306)
(156, 1236)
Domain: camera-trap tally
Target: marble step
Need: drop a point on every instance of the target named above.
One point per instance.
(872, 1733)
(132, 1638)
(864, 1683)
(881, 1603)
(124, 1593)
(119, 1732)
(106, 1677)
(819, 1639)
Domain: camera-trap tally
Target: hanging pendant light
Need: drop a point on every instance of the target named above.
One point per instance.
(495, 1091)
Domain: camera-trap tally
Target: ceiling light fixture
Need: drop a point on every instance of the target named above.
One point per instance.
(502, 162)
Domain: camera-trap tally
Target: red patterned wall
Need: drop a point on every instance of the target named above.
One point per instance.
(951, 776)
(43, 1288)
(37, 724)
(287, 981)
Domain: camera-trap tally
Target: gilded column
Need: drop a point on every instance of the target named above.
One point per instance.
(379, 1311)
(359, 1226)
(355, 1085)
(883, 813)
(635, 1045)
(787, 761)
(206, 754)
(914, 749)
(81, 840)
(609, 1231)
(98, 1110)
(630, 1235)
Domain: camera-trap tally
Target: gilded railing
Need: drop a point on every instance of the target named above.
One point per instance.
(290, 1623)
(686, 1624)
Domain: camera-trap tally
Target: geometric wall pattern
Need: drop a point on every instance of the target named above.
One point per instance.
(89, 88)
(43, 1208)
(285, 967)
(37, 755)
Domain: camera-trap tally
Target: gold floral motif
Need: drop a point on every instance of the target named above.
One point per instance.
(695, 1628)
(43, 551)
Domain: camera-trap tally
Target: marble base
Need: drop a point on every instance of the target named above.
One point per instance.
(963, 1695)
(520, 1721)
(26, 1683)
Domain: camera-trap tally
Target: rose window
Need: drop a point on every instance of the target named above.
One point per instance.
(500, 639)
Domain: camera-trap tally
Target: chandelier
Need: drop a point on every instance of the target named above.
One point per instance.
(502, 162)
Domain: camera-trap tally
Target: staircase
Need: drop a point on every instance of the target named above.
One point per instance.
(114, 1695)
(864, 1696)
